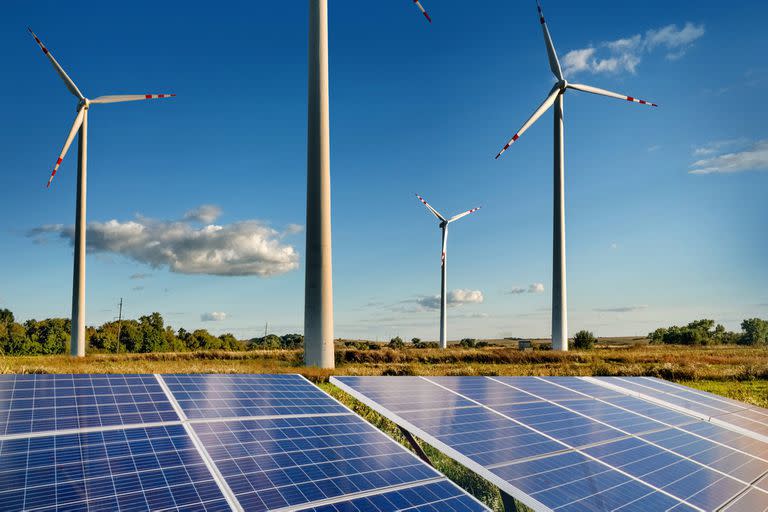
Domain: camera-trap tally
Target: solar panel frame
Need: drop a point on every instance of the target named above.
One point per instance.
(709, 451)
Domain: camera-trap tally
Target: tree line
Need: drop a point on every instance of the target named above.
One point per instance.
(147, 334)
(754, 332)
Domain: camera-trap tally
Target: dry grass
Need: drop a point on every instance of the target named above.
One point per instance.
(720, 363)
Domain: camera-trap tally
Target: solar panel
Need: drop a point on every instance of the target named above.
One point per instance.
(129, 469)
(39, 403)
(204, 443)
(232, 396)
(577, 443)
(749, 419)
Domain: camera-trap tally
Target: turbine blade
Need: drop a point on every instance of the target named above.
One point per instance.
(67, 81)
(457, 217)
(426, 15)
(603, 92)
(118, 98)
(70, 138)
(537, 114)
(434, 212)
(554, 64)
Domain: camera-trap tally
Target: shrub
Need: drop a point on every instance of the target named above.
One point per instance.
(396, 342)
(584, 340)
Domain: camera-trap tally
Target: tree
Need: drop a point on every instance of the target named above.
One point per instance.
(6, 316)
(396, 342)
(51, 334)
(755, 332)
(468, 343)
(415, 341)
(292, 341)
(584, 340)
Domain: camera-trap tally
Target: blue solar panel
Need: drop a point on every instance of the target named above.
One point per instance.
(232, 396)
(560, 441)
(39, 403)
(751, 419)
(434, 497)
(133, 469)
(200, 442)
(277, 463)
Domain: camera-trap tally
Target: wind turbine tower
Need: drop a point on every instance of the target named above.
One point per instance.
(80, 127)
(443, 264)
(556, 97)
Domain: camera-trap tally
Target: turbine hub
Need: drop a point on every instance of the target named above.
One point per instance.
(84, 103)
(562, 84)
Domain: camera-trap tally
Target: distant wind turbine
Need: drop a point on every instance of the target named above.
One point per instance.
(443, 258)
(77, 344)
(555, 97)
(318, 281)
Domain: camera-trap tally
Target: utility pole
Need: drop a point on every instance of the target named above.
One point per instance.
(119, 323)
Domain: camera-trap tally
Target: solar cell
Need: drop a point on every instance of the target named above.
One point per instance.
(41, 403)
(582, 445)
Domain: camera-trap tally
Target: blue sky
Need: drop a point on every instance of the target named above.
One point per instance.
(414, 108)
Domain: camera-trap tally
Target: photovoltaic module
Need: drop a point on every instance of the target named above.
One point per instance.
(203, 443)
(583, 443)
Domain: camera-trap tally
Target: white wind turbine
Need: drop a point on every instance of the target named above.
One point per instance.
(77, 343)
(555, 97)
(443, 297)
(318, 283)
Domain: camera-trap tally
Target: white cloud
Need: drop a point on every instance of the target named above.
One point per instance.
(626, 54)
(614, 246)
(204, 214)
(140, 276)
(754, 158)
(532, 288)
(454, 298)
(213, 316)
(621, 309)
(249, 247)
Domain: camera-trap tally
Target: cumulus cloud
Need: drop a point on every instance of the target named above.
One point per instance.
(532, 288)
(621, 309)
(753, 158)
(243, 248)
(626, 54)
(204, 214)
(455, 298)
(213, 316)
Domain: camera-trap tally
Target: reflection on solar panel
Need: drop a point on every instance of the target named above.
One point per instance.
(203, 443)
(568, 443)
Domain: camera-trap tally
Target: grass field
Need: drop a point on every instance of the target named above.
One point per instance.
(733, 371)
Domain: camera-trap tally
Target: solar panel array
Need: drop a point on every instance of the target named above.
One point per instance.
(569, 443)
(203, 443)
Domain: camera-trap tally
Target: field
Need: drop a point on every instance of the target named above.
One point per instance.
(732, 371)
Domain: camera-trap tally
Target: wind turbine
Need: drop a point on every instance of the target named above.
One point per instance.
(555, 97)
(77, 343)
(443, 298)
(318, 283)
